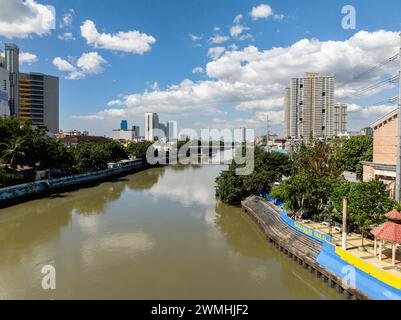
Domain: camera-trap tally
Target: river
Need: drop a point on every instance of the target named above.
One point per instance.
(156, 234)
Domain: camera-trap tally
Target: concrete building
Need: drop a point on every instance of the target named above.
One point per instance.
(163, 131)
(309, 107)
(242, 138)
(12, 66)
(340, 118)
(39, 100)
(383, 166)
(287, 112)
(151, 126)
(4, 92)
(368, 131)
(32, 96)
(172, 130)
(136, 130)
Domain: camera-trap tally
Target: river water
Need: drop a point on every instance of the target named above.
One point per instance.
(156, 234)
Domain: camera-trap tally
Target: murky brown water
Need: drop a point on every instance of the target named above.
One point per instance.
(157, 234)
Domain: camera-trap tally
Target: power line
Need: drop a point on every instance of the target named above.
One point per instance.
(377, 85)
(374, 68)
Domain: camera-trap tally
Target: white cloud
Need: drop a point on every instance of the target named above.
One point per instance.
(66, 20)
(197, 70)
(262, 11)
(237, 29)
(28, 58)
(233, 46)
(66, 36)
(215, 52)
(63, 65)
(87, 63)
(195, 37)
(238, 18)
(278, 16)
(252, 81)
(216, 39)
(91, 63)
(20, 19)
(131, 41)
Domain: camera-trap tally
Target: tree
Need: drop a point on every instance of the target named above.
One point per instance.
(353, 151)
(139, 149)
(114, 150)
(268, 168)
(229, 186)
(315, 174)
(368, 203)
(13, 152)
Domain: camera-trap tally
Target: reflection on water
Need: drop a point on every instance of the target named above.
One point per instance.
(156, 234)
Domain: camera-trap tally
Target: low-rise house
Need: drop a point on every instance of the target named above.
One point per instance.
(383, 166)
(74, 140)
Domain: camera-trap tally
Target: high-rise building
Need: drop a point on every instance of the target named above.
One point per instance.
(33, 96)
(136, 131)
(287, 111)
(340, 118)
(310, 107)
(151, 126)
(243, 135)
(12, 66)
(171, 130)
(124, 125)
(39, 100)
(162, 130)
(4, 92)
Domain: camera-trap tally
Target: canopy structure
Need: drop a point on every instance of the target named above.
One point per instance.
(389, 231)
(393, 215)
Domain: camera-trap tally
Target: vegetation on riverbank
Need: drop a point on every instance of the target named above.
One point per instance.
(269, 168)
(23, 146)
(314, 185)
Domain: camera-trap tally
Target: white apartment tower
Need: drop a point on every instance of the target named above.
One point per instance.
(309, 107)
(4, 91)
(151, 126)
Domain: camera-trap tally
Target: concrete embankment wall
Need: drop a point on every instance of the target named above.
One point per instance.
(365, 279)
(19, 193)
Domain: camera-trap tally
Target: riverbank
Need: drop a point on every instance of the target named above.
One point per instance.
(25, 192)
(315, 251)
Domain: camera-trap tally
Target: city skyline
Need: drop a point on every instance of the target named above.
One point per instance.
(216, 72)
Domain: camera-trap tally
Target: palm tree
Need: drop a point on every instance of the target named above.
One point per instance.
(13, 151)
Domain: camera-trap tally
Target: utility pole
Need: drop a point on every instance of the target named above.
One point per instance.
(267, 132)
(345, 218)
(398, 174)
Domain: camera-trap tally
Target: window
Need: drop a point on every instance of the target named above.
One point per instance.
(324, 94)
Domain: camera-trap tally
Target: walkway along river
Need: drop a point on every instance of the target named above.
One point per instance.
(155, 234)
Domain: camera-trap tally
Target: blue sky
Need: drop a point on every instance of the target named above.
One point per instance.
(237, 87)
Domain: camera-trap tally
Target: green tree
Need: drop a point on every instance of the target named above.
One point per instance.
(138, 149)
(353, 151)
(114, 150)
(268, 168)
(368, 203)
(13, 151)
(315, 174)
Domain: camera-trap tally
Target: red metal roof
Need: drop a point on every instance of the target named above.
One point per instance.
(393, 215)
(388, 231)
